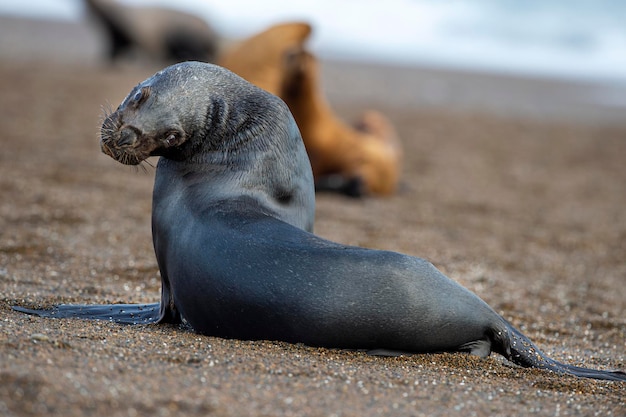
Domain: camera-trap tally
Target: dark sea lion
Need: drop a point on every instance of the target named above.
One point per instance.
(232, 213)
(161, 34)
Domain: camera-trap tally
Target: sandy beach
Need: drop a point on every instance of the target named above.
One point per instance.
(514, 187)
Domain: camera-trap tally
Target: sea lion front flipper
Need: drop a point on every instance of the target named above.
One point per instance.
(118, 313)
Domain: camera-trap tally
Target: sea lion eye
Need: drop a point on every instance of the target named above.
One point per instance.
(171, 138)
(137, 96)
(140, 96)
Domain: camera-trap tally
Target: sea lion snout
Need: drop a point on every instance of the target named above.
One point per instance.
(128, 137)
(128, 140)
(120, 142)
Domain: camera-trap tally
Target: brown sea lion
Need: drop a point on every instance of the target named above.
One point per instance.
(160, 34)
(365, 159)
(232, 210)
(260, 59)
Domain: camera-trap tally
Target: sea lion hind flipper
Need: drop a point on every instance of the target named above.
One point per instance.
(526, 354)
(118, 313)
(610, 375)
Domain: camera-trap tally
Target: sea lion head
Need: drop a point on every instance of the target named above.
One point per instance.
(142, 126)
(183, 111)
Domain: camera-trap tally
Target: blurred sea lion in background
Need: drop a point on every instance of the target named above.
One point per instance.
(359, 160)
(260, 59)
(356, 160)
(161, 34)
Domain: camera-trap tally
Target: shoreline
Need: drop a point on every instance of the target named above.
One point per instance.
(395, 85)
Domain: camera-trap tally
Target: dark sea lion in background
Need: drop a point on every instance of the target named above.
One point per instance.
(354, 160)
(161, 34)
(233, 206)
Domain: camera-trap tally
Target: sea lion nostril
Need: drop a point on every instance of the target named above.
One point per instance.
(127, 137)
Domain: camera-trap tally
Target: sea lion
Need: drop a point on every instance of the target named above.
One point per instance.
(365, 159)
(232, 212)
(260, 58)
(161, 34)
(354, 160)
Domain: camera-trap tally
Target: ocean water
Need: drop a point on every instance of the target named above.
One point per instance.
(573, 39)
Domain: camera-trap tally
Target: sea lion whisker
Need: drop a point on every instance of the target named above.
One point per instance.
(142, 166)
(126, 160)
(107, 109)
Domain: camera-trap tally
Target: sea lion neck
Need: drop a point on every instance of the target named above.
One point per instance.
(233, 135)
(231, 126)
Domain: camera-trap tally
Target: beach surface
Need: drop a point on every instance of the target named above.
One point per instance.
(515, 188)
